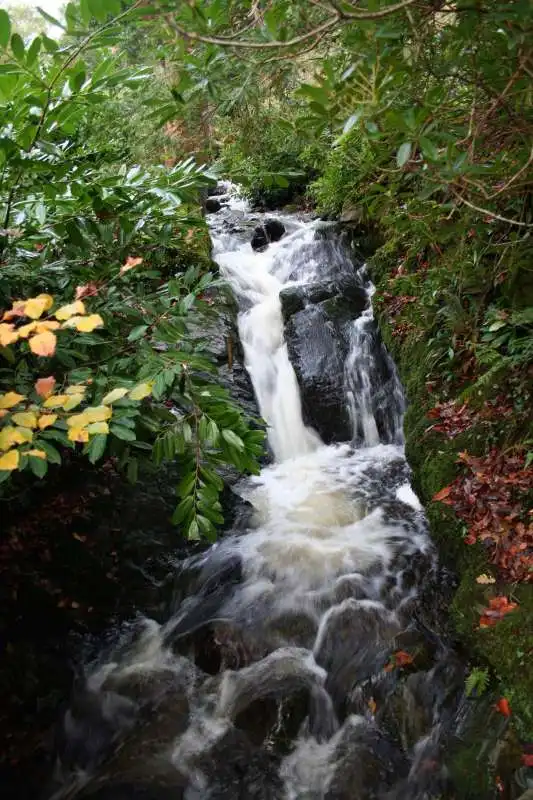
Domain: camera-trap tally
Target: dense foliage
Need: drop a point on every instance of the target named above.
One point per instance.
(105, 269)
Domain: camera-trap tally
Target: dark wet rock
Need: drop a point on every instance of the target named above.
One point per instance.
(317, 352)
(270, 230)
(281, 674)
(367, 764)
(212, 205)
(348, 298)
(274, 720)
(354, 644)
(292, 627)
(218, 190)
(234, 769)
(131, 791)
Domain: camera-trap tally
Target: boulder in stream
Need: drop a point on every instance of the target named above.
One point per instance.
(270, 230)
(212, 205)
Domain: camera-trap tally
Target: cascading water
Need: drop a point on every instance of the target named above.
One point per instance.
(324, 677)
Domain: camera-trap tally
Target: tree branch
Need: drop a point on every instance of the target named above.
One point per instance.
(490, 213)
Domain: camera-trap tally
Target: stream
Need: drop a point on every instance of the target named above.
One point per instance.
(306, 656)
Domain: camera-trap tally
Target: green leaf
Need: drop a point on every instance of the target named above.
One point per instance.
(34, 50)
(404, 154)
(96, 447)
(232, 439)
(121, 432)
(193, 534)
(183, 510)
(317, 93)
(38, 466)
(17, 46)
(49, 18)
(5, 28)
(52, 455)
(85, 11)
(429, 149)
(137, 333)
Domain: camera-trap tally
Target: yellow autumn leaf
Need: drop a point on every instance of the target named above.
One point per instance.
(10, 436)
(91, 414)
(46, 420)
(68, 311)
(114, 395)
(46, 325)
(8, 334)
(44, 344)
(16, 310)
(36, 453)
(9, 461)
(72, 401)
(140, 391)
(77, 388)
(98, 413)
(25, 330)
(25, 433)
(485, 579)
(25, 418)
(85, 324)
(36, 306)
(55, 401)
(78, 420)
(98, 427)
(77, 434)
(10, 399)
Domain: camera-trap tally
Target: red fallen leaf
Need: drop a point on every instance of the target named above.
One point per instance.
(470, 539)
(503, 707)
(527, 759)
(402, 658)
(442, 495)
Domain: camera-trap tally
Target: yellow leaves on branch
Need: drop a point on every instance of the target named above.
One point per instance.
(8, 334)
(141, 391)
(11, 436)
(85, 324)
(46, 421)
(92, 420)
(10, 399)
(27, 419)
(68, 311)
(41, 339)
(44, 344)
(10, 461)
(113, 396)
(36, 306)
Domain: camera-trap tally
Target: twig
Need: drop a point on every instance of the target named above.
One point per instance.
(515, 176)
(490, 213)
(329, 24)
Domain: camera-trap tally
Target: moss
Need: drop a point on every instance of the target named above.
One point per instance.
(507, 648)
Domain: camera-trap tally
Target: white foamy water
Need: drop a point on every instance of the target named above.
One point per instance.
(335, 551)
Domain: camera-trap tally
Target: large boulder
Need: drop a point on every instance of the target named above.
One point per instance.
(319, 330)
(317, 352)
(270, 230)
(212, 205)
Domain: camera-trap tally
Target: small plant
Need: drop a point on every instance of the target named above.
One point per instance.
(477, 682)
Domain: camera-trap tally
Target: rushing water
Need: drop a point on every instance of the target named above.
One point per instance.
(303, 661)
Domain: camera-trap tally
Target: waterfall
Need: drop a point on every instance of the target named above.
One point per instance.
(275, 677)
